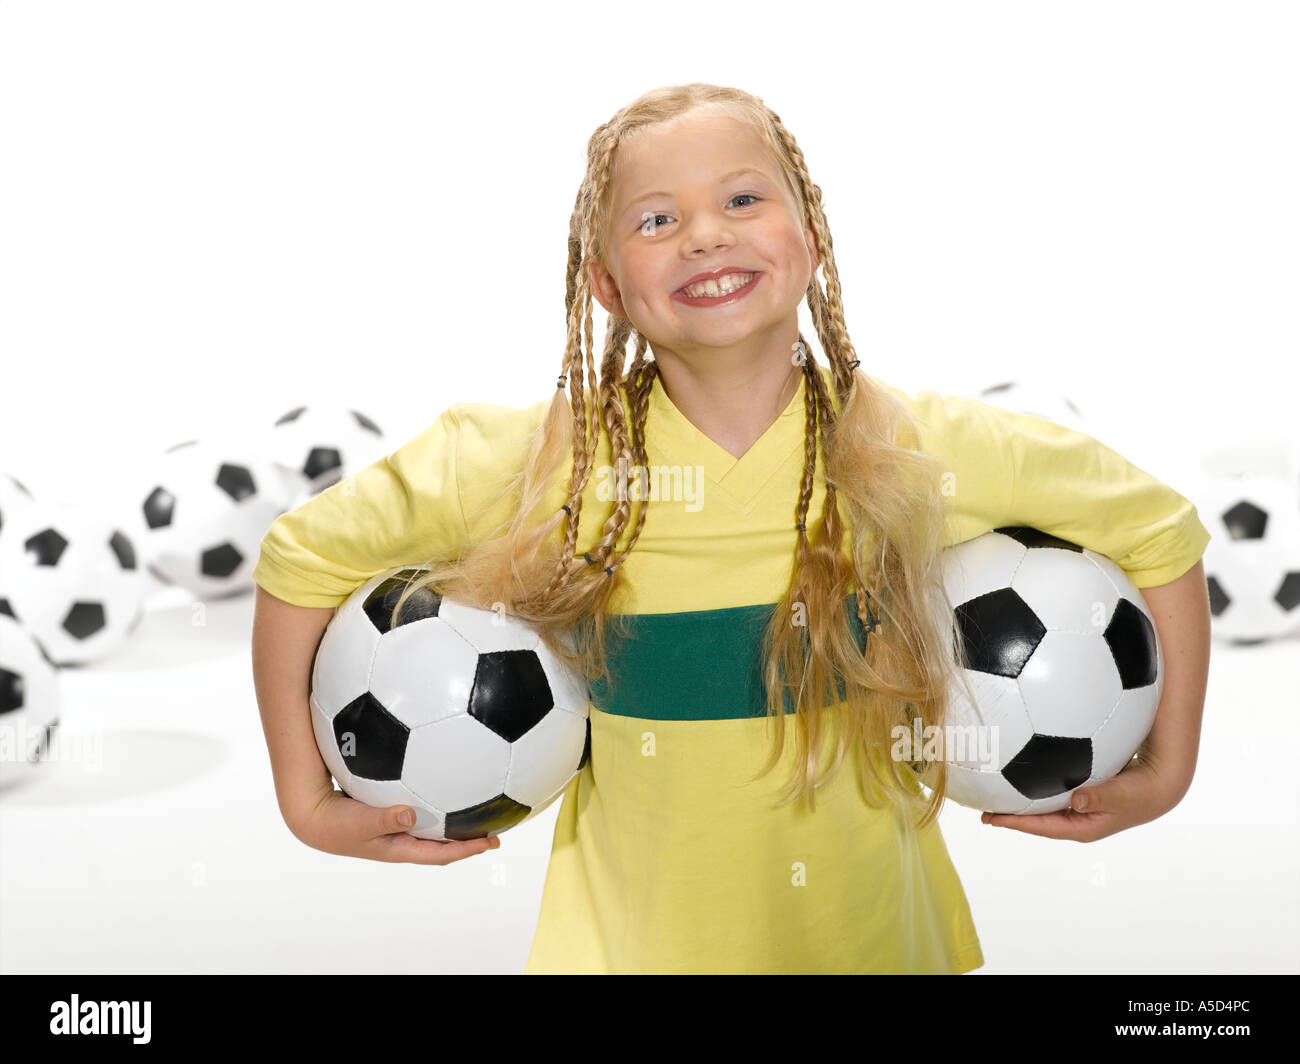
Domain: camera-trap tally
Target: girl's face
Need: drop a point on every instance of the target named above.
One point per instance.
(681, 206)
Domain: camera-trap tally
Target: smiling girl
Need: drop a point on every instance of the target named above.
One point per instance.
(740, 811)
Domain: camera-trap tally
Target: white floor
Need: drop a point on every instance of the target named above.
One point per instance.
(162, 849)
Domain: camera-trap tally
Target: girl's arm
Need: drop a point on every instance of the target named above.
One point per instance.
(285, 638)
(1156, 780)
(1182, 613)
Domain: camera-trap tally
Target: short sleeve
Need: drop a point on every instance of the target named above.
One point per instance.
(1072, 485)
(1017, 469)
(404, 509)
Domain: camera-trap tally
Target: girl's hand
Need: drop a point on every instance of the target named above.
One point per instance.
(1139, 793)
(342, 825)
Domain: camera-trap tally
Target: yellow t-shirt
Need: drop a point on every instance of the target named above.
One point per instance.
(667, 857)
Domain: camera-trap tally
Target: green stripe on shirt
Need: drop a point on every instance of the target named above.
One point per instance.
(698, 665)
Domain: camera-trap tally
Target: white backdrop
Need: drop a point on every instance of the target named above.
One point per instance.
(213, 212)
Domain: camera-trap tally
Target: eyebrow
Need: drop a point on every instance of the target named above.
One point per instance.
(721, 181)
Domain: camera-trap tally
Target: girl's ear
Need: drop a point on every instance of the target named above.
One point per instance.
(605, 289)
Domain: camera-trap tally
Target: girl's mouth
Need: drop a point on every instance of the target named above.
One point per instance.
(726, 289)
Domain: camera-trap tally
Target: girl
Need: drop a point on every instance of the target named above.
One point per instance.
(712, 612)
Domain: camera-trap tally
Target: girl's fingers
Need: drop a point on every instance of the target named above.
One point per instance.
(399, 846)
(407, 848)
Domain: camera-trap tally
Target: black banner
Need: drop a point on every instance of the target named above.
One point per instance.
(1038, 1014)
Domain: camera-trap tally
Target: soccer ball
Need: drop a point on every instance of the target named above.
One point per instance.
(1035, 399)
(29, 702)
(71, 578)
(202, 515)
(319, 446)
(461, 713)
(1064, 663)
(1252, 562)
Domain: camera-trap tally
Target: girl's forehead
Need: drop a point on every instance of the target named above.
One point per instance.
(687, 136)
(652, 164)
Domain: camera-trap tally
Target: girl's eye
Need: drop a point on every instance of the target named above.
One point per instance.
(649, 219)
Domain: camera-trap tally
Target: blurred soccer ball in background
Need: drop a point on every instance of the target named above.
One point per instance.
(319, 446)
(1252, 563)
(202, 512)
(72, 578)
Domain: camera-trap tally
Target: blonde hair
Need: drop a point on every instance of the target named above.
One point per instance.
(879, 485)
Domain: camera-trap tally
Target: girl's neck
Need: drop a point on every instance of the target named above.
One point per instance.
(733, 406)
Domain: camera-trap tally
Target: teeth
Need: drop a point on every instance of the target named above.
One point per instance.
(720, 286)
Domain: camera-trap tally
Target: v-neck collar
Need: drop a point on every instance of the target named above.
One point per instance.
(741, 479)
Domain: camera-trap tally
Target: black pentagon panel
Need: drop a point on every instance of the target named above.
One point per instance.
(292, 415)
(220, 561)
(12, 691)
(84, 620)
(45, 547)
(159, 508)
(322, 460)
(1132, 641)
(1050, 765)
(1219, 600)
(478, 820)
(511, 692)
(365, 422)
(6, 609)
(123, 550)
(381, 602)
(1287, 594)
(236, 481)
(1032, 537)
(371, 740)
(586, 748)
(998, 632)
(1245, 520)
